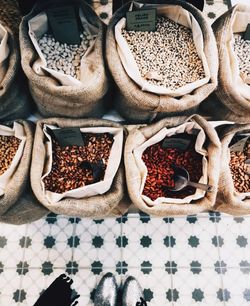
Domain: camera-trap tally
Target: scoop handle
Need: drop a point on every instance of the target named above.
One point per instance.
(205, 187)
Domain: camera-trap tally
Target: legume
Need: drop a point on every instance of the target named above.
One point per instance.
(62, 57)
(239, 169)
(8, 148)
(166, 57)
(68, 171)
(242, 50)
(159, 163)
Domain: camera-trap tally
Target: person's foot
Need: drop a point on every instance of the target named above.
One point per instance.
(132, 293)
(106, 291)
(58, 293)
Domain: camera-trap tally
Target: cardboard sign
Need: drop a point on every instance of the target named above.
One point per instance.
(239, 146)
(141, 20)
(64, 25)
(247, 33)
(176, 143)
(68, 137)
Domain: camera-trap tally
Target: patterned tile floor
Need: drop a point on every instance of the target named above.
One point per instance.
(182, 261)
(195, 260)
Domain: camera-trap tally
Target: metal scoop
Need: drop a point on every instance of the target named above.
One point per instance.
(182, 179)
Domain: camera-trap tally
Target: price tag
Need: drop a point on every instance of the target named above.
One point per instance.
(247, 33)
(239, 146)
(141, 20)
(63, 23)
(176, 143)
(68, 137)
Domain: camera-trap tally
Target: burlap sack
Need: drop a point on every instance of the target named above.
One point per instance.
(53, 99)
(228, 200)
(98, 206)
(233, 94)
(137, 105)
(14, 95)
(139, 135)
(18, 205)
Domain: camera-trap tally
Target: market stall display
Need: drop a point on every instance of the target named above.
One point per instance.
(84, 177)
(234, 184)
(166, 72)
(17, 203)
(191, 144)
(233, 44)
(66, 79)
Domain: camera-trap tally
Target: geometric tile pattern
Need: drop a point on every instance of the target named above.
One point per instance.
(181, 261)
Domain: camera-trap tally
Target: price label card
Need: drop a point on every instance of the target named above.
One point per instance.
(141, 20)
(176, 143)
(68, 137)
(239, 146)
(64, 25)
(247, 33)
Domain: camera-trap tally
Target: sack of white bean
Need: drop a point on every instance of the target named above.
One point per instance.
(77, 167)
(234, 65)
(178, 154)
(234, 183)
(165, 72)
(65, 79)
(14, 97)
(17, 203)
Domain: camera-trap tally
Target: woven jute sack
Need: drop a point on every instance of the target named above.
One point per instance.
(111, 203)
(18, 205)
(53, 99)
(137, 105)
(232, 92)
(228, 199)
(14, 95)
(133, 177)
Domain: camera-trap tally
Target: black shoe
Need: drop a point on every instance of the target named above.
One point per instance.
(58, 293)
(132, 293)
(106, 291)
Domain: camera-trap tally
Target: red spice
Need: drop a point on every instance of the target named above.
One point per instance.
(159, 163)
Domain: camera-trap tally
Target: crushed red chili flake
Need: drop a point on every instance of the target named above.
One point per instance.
(159, 161)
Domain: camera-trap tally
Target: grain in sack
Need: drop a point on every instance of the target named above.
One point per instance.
(151, 155)
(17, 202)
(65, 79)
(79, 179)
(234, 68)
(161, 69)
(234, 184)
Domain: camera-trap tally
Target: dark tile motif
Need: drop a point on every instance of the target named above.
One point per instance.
(198, 295)
(49, 242)
(169, 241)
(47, 268)
(146, 267)
(172, 295)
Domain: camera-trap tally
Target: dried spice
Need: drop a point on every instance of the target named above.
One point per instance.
(239, 169)
(8, 148)
(159, 162)
(168, 56)
(76, 166)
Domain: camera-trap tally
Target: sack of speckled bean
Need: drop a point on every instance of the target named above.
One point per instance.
(166, 72)
(65, 79)
(17, 203)
(77, 167)
(234, 65)
(159, 155)
(234, 184)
